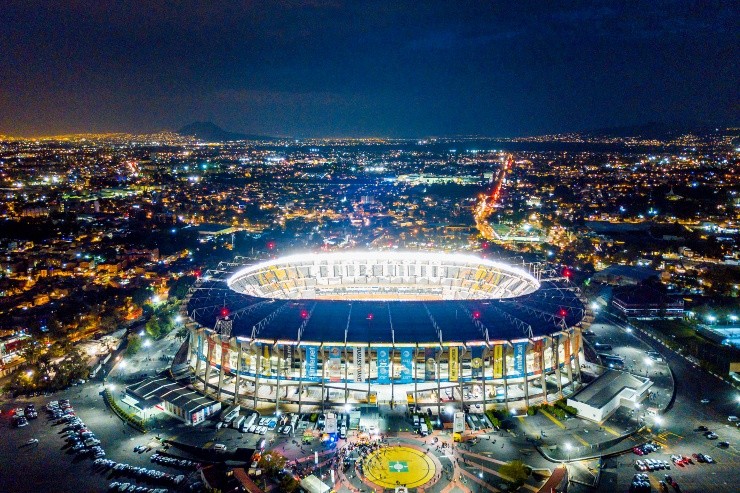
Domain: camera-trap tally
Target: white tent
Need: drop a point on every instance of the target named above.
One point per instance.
(312, 484)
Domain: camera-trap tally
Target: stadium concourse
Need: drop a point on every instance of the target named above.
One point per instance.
(415, 329)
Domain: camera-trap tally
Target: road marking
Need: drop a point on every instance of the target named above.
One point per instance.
(610, 430)
(527, 427)
(553, 419)
(584, 442)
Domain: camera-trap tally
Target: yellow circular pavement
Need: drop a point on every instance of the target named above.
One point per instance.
(399, 466)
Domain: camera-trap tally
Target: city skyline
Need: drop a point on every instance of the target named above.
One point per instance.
(346, 69)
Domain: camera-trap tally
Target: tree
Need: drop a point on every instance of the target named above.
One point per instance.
(134, 345)
(181, 333)
(153, 328)
(272, 462)
(515, 470)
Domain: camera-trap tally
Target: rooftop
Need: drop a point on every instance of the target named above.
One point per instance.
(607, 386)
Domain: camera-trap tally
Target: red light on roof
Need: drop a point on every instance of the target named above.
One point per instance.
(270, 245)
(224, 312)
(476, 314)
(562, 313)
(304, 314)
(370, 316)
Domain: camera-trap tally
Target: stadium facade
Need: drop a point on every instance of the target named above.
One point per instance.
(315, 331)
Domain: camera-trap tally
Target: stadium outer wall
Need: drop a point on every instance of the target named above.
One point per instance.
(279, 372)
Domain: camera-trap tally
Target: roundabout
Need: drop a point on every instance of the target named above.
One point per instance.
(399, 466)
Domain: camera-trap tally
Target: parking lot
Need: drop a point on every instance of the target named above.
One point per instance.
(70, 472)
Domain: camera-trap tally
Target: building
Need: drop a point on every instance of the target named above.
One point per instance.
(607, 393)
(163, 394)
(646, 302)
(396, 328)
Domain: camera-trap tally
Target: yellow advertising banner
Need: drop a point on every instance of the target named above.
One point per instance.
(566, 349)
(266, 359)
(498, 361)
(453, 363)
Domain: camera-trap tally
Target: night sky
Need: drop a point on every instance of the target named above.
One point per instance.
(357, 68)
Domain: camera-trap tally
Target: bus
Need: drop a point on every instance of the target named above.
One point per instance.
(612, 361)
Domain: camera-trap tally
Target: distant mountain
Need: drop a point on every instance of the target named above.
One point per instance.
(210, 132)
(655, 130)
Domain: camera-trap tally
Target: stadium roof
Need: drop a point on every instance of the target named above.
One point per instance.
(548, 310)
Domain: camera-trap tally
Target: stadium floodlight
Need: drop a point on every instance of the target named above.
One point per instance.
(384, 275)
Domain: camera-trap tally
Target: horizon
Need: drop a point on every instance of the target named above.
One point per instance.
(334, 68)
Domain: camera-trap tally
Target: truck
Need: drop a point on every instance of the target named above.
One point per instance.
(248, 421)
(231, 413)
(238, 422)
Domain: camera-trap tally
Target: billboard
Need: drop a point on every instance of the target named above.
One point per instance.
(520, 358)
(335, 364)
(476, 362)
(358, 356)
(430, 364)
(200, 346)
(384, 365)
(211, 351)
(312, 358)
(407, 364)
(454, 364)
(225, 355)
(537, 356)
(498, 361)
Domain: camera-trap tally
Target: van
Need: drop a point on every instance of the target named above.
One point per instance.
(219, 447)
(417, 421)
(237, 423)
(732, 419)
(343, 431)
(423, 430)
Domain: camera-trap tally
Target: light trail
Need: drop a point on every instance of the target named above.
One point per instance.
(488, 203)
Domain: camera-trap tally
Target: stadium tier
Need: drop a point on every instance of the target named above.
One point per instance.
(418, 329)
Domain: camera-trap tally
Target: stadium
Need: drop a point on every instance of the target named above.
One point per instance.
(417, 329)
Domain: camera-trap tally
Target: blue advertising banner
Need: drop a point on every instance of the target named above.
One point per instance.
(520, 358)
(201, 356)
(476, 361)
(407, 365)
(430, 364)
(312, 358)
(384, 365)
